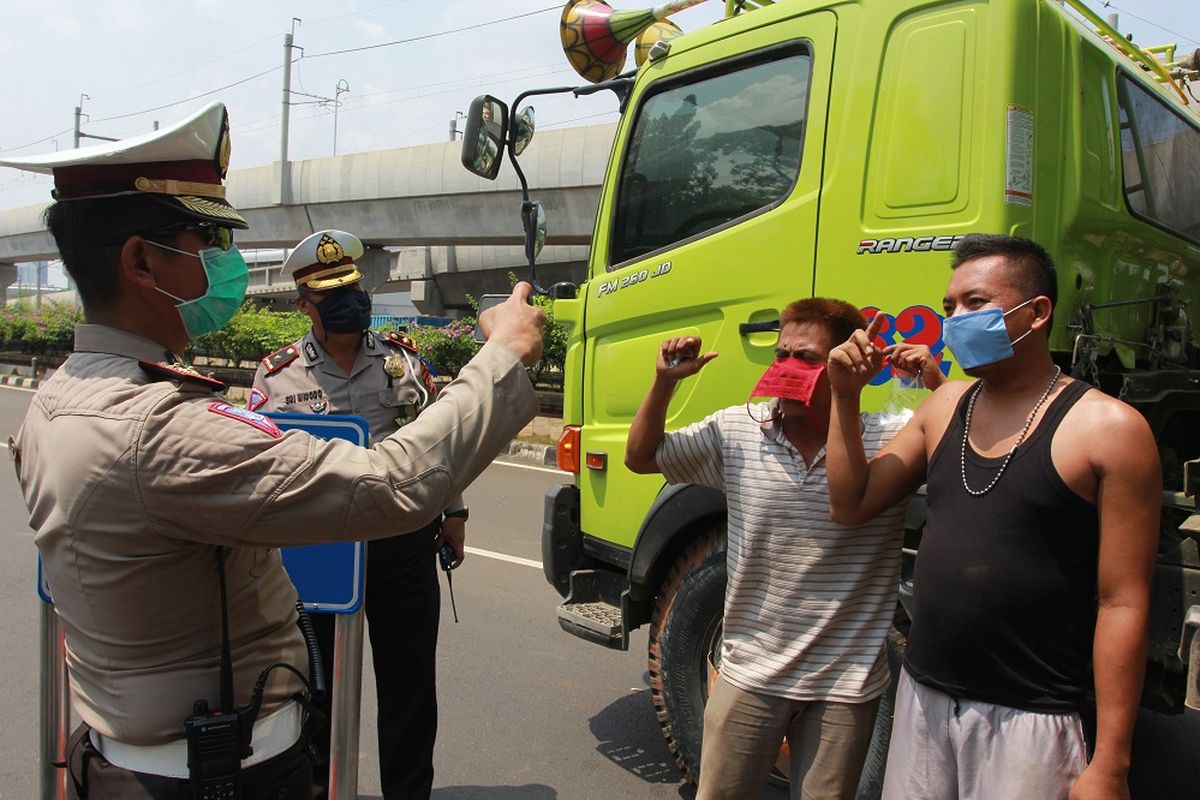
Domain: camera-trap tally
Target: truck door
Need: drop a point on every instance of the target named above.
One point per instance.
(707, 221)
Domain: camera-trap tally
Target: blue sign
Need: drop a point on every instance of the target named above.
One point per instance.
(328, 577)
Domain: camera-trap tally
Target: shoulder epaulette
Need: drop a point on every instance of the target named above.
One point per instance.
(280, 358)
(179, 372)
(402, 340)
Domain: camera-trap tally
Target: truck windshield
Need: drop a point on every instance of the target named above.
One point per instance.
(1161, 159)
(710, 150)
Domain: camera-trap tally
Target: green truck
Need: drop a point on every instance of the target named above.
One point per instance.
(840, 148)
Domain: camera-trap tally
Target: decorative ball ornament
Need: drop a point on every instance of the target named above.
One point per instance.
(595, 37)
(662, 31)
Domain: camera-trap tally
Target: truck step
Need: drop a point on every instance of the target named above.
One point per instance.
(592, 611)
(599, 617)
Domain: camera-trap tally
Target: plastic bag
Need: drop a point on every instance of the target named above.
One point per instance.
(904, 395)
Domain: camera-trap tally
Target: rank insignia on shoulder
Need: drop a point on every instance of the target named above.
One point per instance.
(427, 378)
(179, 372)
(251, 418)
(393, 366)
(403, 340)
(310, 351)
(280, 358)
(257, 399)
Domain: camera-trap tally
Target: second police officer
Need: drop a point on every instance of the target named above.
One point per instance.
(341, 366)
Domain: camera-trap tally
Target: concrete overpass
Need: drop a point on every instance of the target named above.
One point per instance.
(447, 233)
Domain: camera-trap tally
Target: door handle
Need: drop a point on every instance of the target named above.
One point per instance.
(746, 328)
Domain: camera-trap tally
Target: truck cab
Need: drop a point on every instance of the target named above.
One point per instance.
(812, 148)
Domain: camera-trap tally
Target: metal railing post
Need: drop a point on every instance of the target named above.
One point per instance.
(54, 707)
(346, 703)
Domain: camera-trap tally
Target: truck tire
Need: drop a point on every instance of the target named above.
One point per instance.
(685, 645)
(870, 785)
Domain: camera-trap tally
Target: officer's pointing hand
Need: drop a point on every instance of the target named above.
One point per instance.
(856, 361)
(516, 324)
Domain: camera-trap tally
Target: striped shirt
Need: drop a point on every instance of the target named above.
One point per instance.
(808, 602)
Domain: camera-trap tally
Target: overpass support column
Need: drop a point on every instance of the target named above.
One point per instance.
(8, 276)
(417, 266)
(426, 296)
(375, 266)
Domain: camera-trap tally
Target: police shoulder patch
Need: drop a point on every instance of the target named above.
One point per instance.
(178, 372)
(257, 399)
(251, 418)
(402, 340)
(280, 358)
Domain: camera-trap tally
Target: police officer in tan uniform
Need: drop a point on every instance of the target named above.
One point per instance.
(343, 367)
(144, 485)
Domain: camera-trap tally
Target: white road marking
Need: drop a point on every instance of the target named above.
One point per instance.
(525, 562)
(551, 470)
(18, 389)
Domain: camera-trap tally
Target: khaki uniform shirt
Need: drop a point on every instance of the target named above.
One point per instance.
(387, 385)
(132, 480)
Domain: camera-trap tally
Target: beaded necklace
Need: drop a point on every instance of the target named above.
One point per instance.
(1021, 438)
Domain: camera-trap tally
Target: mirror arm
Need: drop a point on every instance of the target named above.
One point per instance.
(621, 86)
(528, 209)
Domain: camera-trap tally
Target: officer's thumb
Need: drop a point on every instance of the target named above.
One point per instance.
(521, 293)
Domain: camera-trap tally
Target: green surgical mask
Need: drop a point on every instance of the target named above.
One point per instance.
(228, 278)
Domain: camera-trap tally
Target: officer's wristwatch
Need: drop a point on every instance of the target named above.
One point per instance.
(462, 513)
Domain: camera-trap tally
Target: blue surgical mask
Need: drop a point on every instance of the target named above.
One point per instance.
(979, 338)
(228, 278)
(348, 310)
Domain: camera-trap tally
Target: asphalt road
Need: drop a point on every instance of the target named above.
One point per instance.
(527, 712)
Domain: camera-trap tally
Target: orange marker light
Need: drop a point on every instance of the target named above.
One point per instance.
(597, 461)
(568, 449)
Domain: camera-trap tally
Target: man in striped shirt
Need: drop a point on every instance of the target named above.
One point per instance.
(808, 602)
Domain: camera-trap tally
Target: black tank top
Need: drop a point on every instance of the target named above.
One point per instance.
(1005, 583)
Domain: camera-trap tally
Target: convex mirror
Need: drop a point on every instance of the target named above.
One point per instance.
(525, 128)
(483, 138)
(533, 217)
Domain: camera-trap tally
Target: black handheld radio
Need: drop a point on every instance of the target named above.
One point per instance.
(218, 741)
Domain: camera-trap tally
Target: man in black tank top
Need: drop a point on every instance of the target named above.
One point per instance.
(1038, 548)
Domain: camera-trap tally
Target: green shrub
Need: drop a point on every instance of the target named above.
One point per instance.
(253, 333)
(49, 329)
(448, 348)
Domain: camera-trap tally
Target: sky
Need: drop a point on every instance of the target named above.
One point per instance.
(141, 61)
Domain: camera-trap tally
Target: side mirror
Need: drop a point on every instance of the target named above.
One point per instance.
(483, 139)
(524, 132)
(533, 218)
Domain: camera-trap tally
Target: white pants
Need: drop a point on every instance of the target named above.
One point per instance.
(943, 749)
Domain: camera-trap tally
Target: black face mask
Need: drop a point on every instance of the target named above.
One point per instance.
(348, 310)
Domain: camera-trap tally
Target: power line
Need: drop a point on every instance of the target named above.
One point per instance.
(435, 35)
(273, 69)
(188, 99)
(528, 74)
(39, 141)
(1152, 24)
(161, 78)
(356, 13)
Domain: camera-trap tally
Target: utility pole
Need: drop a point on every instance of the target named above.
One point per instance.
(79, 134)
(342, 88)
(287, 102)
(78, 117)
(454, 124)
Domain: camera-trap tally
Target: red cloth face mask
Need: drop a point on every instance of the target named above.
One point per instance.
(789, 379)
